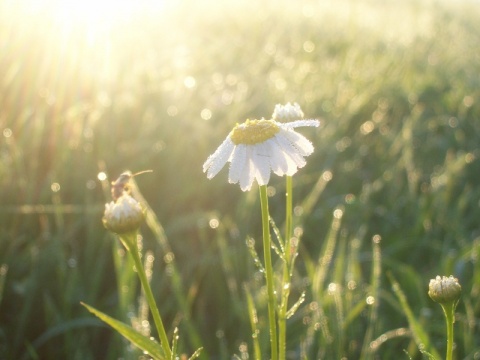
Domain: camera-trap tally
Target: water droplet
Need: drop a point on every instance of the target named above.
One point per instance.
(172, 111)
(91, 184)
(206, 114)
(213, 223)
(101, 176)
(352, 285)
(308, 46)
(338, 213)
(72, 262)
(332, 287)
(169, 257)
(189, 82)
(7, 132)
(327, 175)
(298, 210)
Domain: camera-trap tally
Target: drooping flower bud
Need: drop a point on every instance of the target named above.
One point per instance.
(125, 215)
(444, 289)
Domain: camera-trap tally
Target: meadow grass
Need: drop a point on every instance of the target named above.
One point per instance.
(389, 199)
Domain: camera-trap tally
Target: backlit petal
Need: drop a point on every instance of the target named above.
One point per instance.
(219, 158)
(303, 146)
(261, 163)
(248, 174)
(299, 123)
(278, 162)
(238, 163)
(291, 153)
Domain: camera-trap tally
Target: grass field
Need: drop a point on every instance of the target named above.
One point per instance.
(389, 199)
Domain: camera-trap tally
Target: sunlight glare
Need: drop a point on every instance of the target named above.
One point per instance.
(94, 12)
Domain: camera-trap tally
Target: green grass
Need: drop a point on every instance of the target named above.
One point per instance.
(397, 88)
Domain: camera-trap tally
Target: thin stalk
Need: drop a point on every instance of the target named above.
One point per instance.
(282, 317)
(269, 272)
(449, 310)
(133, 250)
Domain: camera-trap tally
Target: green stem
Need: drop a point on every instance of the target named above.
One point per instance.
(449, 310)
(269, 271)
(282, 317)
(131, 245)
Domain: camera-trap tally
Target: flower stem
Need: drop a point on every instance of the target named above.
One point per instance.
(282, 317)
(449, 310)
(131, 245)
(269, 272)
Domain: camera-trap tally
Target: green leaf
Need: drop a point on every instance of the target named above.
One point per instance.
(148, 345)
(419, 334)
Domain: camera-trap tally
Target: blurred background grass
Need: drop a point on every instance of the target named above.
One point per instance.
(90, 91)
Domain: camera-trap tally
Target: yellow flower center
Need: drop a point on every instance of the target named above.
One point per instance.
(253, 132)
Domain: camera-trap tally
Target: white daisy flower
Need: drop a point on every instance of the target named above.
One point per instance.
(257, 147)
(287, 112)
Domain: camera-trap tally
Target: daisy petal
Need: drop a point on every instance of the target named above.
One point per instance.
(261, 163)
(291, 152)
(299, 123)
(300, 142)
(278, 162)
(219, 158)
(248, 174)
(238, 163)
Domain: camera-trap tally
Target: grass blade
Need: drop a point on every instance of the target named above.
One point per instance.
(146, 344)
(419, 334)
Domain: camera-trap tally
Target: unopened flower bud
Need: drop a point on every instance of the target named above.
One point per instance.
(444, 289)
(124, 215)
(288, 112)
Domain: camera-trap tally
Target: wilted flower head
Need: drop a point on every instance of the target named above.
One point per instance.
(444, 289)
(257, 147)
(287, 112)
(124, 215)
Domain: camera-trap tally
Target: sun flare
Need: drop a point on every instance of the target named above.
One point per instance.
(84, 41)
(106, 11)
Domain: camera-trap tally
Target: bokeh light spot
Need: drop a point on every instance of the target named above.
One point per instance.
(102, 176)
(206, 114)
(7, 132)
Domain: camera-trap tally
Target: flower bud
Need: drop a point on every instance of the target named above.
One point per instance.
(288, 112)
(124, 215)
(444, 289)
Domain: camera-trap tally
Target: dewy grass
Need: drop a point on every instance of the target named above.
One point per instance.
(358, 79)
(287, 271)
